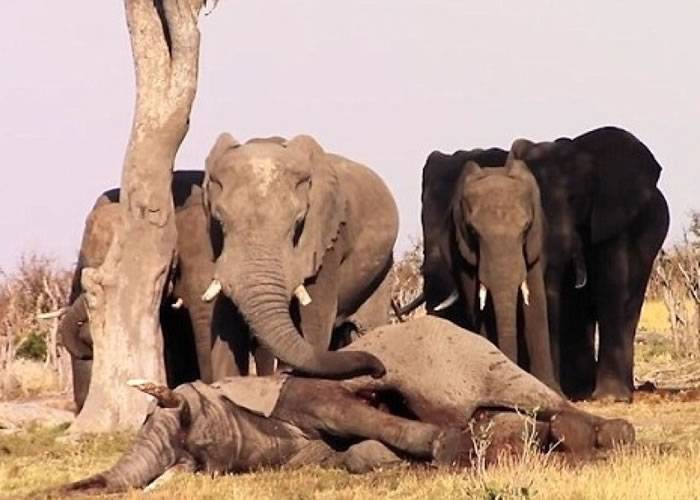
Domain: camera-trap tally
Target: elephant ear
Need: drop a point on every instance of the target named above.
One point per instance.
(518, 169)
(225, 142)
(624, 179)
(327, 204)
(466, 243)
(441, 174)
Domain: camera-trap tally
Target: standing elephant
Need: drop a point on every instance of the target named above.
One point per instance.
(186, 321)
(600, 189)
(483, 233)
(308, 238)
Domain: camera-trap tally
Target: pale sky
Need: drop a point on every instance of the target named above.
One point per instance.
(383, 82)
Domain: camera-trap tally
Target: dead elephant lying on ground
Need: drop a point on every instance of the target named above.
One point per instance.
(438, 377)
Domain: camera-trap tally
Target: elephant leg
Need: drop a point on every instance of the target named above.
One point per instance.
(316, 320)
(367, 456)
(616, 341)
(554, 319)
(326, 406)
(264, 361)
(537, 330)
(375, 311)
(82, 372)
(578, 344)
(230, 354)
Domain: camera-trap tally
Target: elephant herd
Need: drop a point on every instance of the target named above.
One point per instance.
(284, 252)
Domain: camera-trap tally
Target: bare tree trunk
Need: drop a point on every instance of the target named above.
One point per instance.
(124, 293)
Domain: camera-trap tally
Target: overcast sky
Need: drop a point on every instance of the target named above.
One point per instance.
(383, 82)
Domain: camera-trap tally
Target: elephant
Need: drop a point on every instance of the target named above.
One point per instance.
(606, 220)
(307, 247)
(483, 235)
(186, 320)
(419, 411)
(601, 200)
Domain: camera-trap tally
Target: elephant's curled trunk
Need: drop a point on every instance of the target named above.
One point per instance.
(263, 299)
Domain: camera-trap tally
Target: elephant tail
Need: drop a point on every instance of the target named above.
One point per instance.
(402, 311)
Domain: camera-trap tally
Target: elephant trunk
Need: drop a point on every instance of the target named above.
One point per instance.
(262, 296)
(503, 272)
(201, 317)
(154, 450)
(505, 306)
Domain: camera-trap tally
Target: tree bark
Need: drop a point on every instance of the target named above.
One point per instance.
(124, 293)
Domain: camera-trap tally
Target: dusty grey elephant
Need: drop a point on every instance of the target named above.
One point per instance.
(307, 245)
(186, 320)
(420, 410)
(484, 233)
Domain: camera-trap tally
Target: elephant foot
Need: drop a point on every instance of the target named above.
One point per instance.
(573, 433)
(368, 456)
(612, 392)
(510, 435)
(614, 432)
(453, 448)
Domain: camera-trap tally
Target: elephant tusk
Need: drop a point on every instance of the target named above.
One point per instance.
(52, 314)
(302, 295)
(482, 297)
(213, 290)
(164, 396)
(448, 301)
(177, 304)
(526, 293)
(581, 281)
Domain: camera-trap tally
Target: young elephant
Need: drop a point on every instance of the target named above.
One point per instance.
(308, 238)
(483, 229)
(420, 410)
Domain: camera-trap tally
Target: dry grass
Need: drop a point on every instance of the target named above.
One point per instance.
(664, 464)
(23, 378)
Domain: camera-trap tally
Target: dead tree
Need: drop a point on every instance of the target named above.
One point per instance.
(124, 294)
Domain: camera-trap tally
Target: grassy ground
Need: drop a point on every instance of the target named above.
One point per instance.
(665, 462)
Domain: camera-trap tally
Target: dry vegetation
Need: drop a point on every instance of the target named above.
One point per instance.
(31, 362)
(665, 463)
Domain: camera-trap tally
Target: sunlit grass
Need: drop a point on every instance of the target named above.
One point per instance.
(664, 464)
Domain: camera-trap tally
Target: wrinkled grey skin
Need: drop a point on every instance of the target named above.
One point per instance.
(419, 410)
(484, 234)
(187, 332)
(292, 214)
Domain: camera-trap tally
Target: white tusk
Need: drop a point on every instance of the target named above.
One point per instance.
(303, 295)
(212, 291)
(52, 314)
(448, 301)
(482, 297)
(177, 304)
(526, 293)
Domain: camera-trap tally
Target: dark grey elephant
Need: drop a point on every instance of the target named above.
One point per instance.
(307, 246)
(605, 222)
(420, 411)
(186, 320)
(483, 234)
(600, 189)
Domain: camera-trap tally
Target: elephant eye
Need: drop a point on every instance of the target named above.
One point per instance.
(298, 230)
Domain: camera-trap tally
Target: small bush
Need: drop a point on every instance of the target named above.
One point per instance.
(32, 347)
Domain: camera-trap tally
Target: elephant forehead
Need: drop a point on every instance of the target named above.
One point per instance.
(266, 171)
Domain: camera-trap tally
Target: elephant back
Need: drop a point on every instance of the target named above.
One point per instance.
(625, 178)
